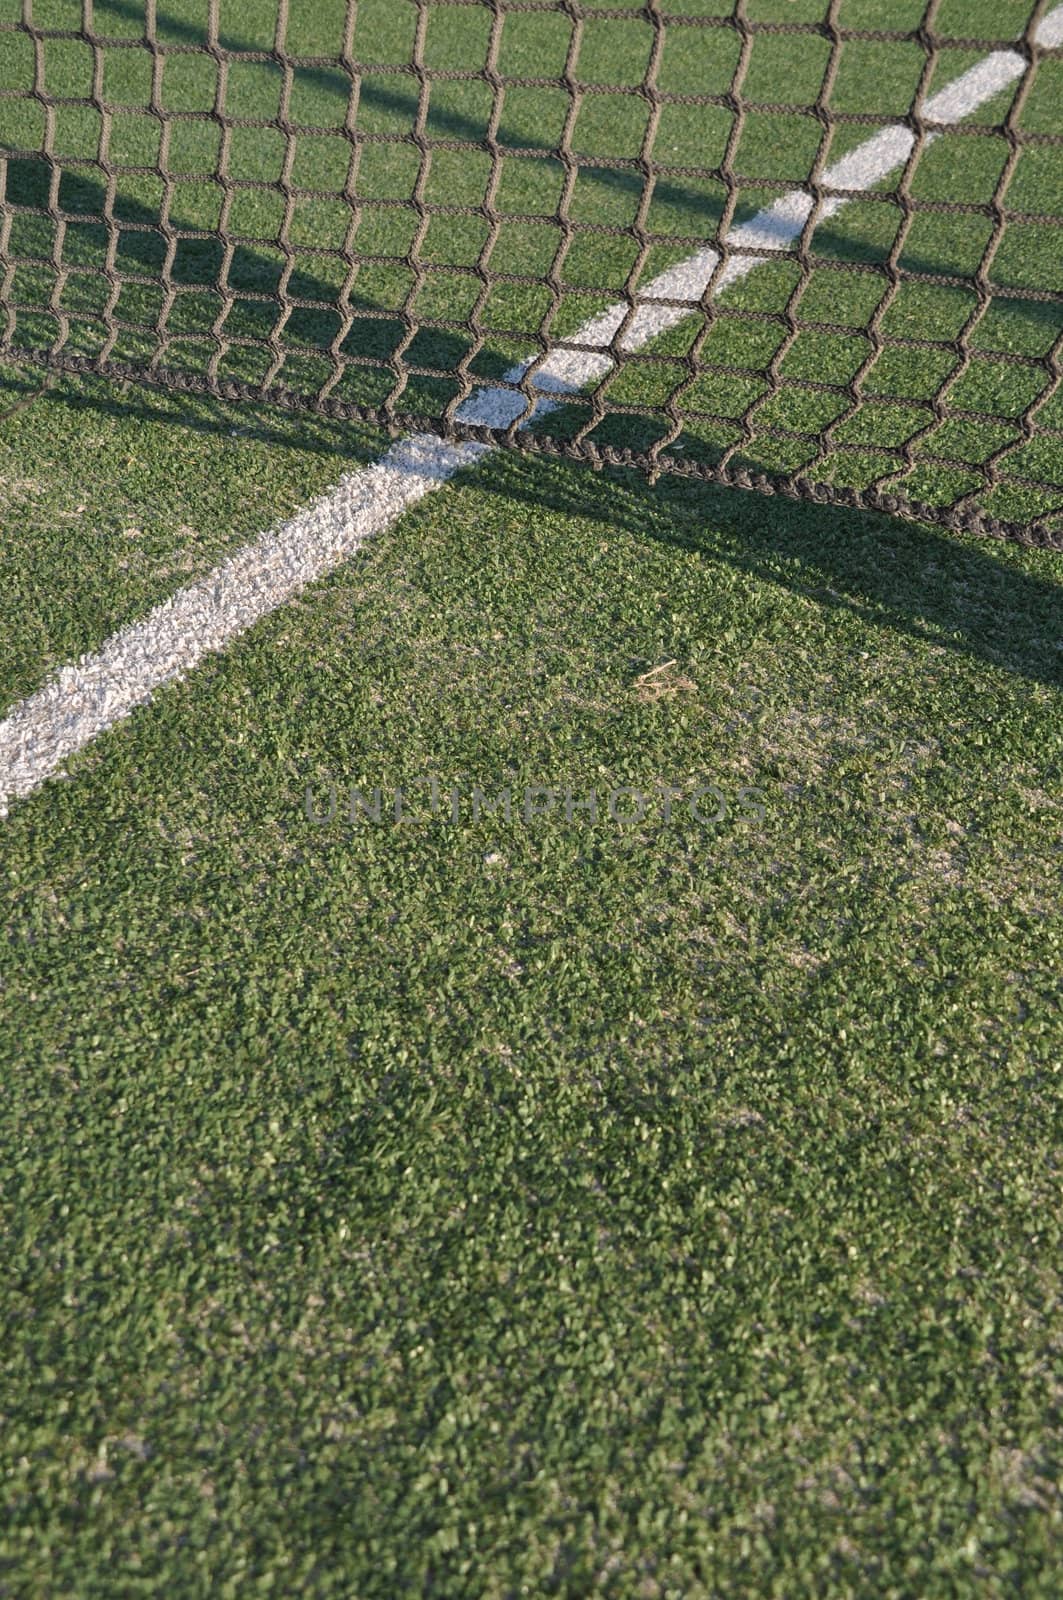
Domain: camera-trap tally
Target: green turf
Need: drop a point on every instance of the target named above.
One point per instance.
(777, 149)
(109, 502)
(553, 1206)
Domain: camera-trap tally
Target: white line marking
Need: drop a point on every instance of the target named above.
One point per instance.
(104, 687)
(774, 228)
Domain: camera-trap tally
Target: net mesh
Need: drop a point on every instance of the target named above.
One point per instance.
(759, 244)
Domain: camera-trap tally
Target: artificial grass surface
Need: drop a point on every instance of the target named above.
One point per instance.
(784, 432)
(110, 502)
(552, 1207)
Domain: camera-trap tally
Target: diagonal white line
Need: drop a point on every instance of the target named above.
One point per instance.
(774, 228)
(105, 686)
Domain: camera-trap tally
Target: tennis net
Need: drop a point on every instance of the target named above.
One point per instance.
(812, 250)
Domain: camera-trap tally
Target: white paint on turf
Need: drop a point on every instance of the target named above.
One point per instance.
(101, 689)
(104, 687)
(774, 228)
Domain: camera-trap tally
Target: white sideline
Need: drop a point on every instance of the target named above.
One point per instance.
(105, 686)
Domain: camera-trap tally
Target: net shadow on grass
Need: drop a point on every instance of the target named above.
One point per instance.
(258, 318)
(248, 335)
(908, 577)
(835, 243)
(250, 341)
(198, 265)
(376, 333)
(352, 444)
(628, 184)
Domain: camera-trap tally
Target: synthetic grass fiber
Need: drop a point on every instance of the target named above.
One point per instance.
(565, 1203)
(563, 1206)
